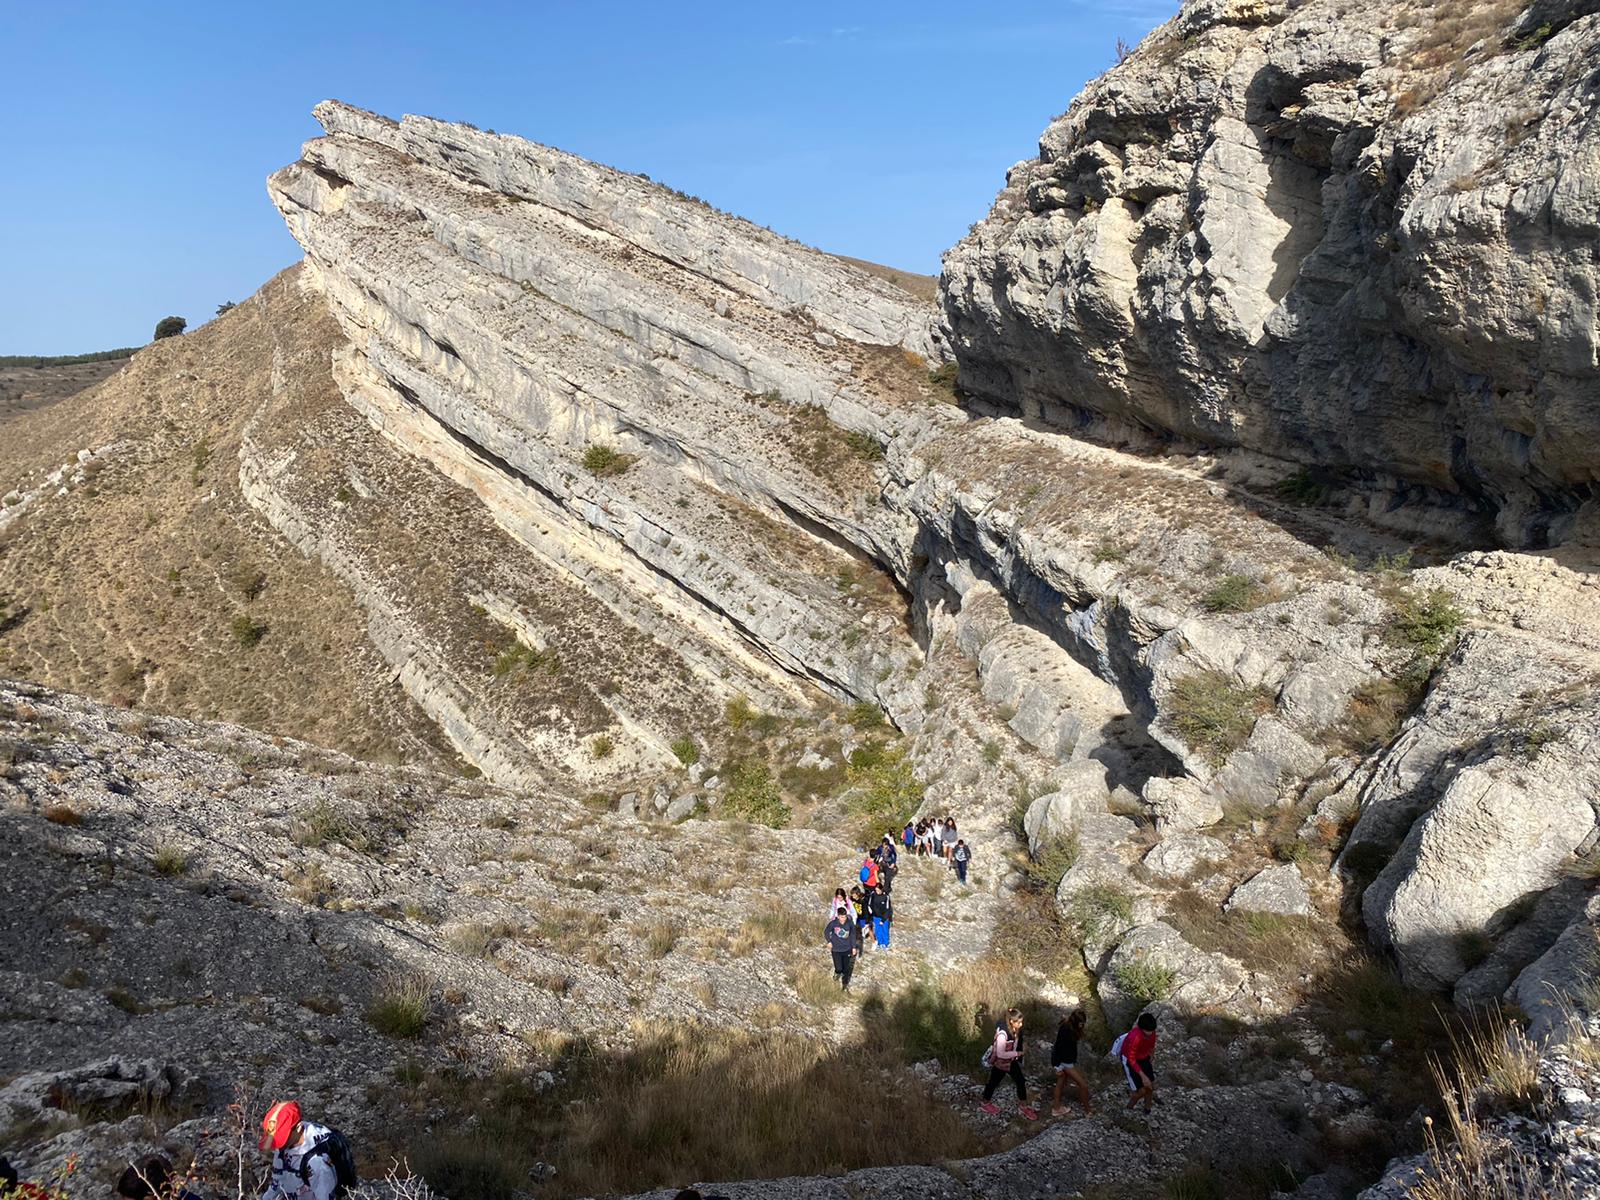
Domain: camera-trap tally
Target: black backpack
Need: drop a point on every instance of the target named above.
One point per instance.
(336, 1147)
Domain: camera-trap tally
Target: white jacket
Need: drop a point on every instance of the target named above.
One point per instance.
(320, 1179)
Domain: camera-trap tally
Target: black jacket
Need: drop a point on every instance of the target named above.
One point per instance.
(879, 905)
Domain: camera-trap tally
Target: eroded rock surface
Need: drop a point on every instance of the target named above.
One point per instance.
(1350, 236)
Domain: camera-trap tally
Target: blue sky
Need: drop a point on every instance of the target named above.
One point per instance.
(140, 135)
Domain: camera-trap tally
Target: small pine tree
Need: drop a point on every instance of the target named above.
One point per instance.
(170, 327)
(225, 306)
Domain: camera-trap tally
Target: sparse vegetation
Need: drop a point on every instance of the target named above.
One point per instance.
(519, 657)
(686, 750)
(1099, 909)
(1427, 622)
(753, 795)
(602, 746)
(62, 814)
(603, 461)
(1146, 981)
(401, 1006)
(1234, 593)
(169, 860)
(1213, 714)
(1054, 859)
(884, 791)
(247, 631)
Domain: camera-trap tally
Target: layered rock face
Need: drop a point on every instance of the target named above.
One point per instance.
(1358, 237)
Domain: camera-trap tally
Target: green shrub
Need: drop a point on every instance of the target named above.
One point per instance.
(1235, 593)
(602, 746)
(1146, 981)
(521, 656)
(865, 715)
(250, 581)
(170, 327)
(169, 860)
(884, 792)
(247, 631)
(753, 795)
(864, 446)
(1100, 908)
(686, 750)
(1054, 859)
(992, 753)
(603, 461)
(401, 1006)
(1109, 551)
(1214, 715)
(1303, 488)
(1425, 621)
(945, 379)
(319, 823)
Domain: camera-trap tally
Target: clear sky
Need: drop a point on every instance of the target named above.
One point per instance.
(139, 136)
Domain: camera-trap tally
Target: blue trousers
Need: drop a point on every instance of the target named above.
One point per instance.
(880, 931)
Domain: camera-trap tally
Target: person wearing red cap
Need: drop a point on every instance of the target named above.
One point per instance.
(309, 1161)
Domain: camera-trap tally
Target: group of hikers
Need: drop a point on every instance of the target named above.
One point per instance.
(869, 904)
(1133, 1050)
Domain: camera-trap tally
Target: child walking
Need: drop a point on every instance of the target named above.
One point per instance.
(1064, 1060)
(1005, 1058)
(1137, 1049)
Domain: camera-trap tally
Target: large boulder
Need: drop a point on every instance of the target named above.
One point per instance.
(1080, 790)
(1181, 803)
(1279, 890)
(1182, 856)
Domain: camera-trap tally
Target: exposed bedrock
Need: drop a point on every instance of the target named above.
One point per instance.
(1319, 232)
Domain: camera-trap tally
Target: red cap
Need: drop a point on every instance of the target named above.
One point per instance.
(278, 1124)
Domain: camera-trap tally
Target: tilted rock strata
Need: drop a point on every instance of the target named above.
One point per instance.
(1264, 229)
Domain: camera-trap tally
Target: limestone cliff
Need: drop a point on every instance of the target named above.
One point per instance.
(1354, 236)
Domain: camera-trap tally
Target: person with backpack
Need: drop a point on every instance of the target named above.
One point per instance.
(959, 858)
(1064, 1061)
(309, 1161)
(843, 936)
(881, 910)
(1004, 1057)
(1136, 1049)
(869, 871)
(888, 859)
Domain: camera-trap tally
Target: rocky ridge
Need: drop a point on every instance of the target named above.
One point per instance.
(1355, 237)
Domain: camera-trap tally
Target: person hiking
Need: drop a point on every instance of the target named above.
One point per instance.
(1064, 1061)
(1137, 1049)
(1004, 1058)
(309, 1161)
(949, 836)
(889, 859)
(858, 909)
(869, 870)
(959, 858)
(882, 910)
(839, 904)
(843, 936)
(909, 836)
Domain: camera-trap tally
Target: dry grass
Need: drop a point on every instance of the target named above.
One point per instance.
(775, 925)
(1491, 1067)
(644, 1118)
(401, 1006)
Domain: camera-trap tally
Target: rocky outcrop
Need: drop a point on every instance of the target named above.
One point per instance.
(1354, 238)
